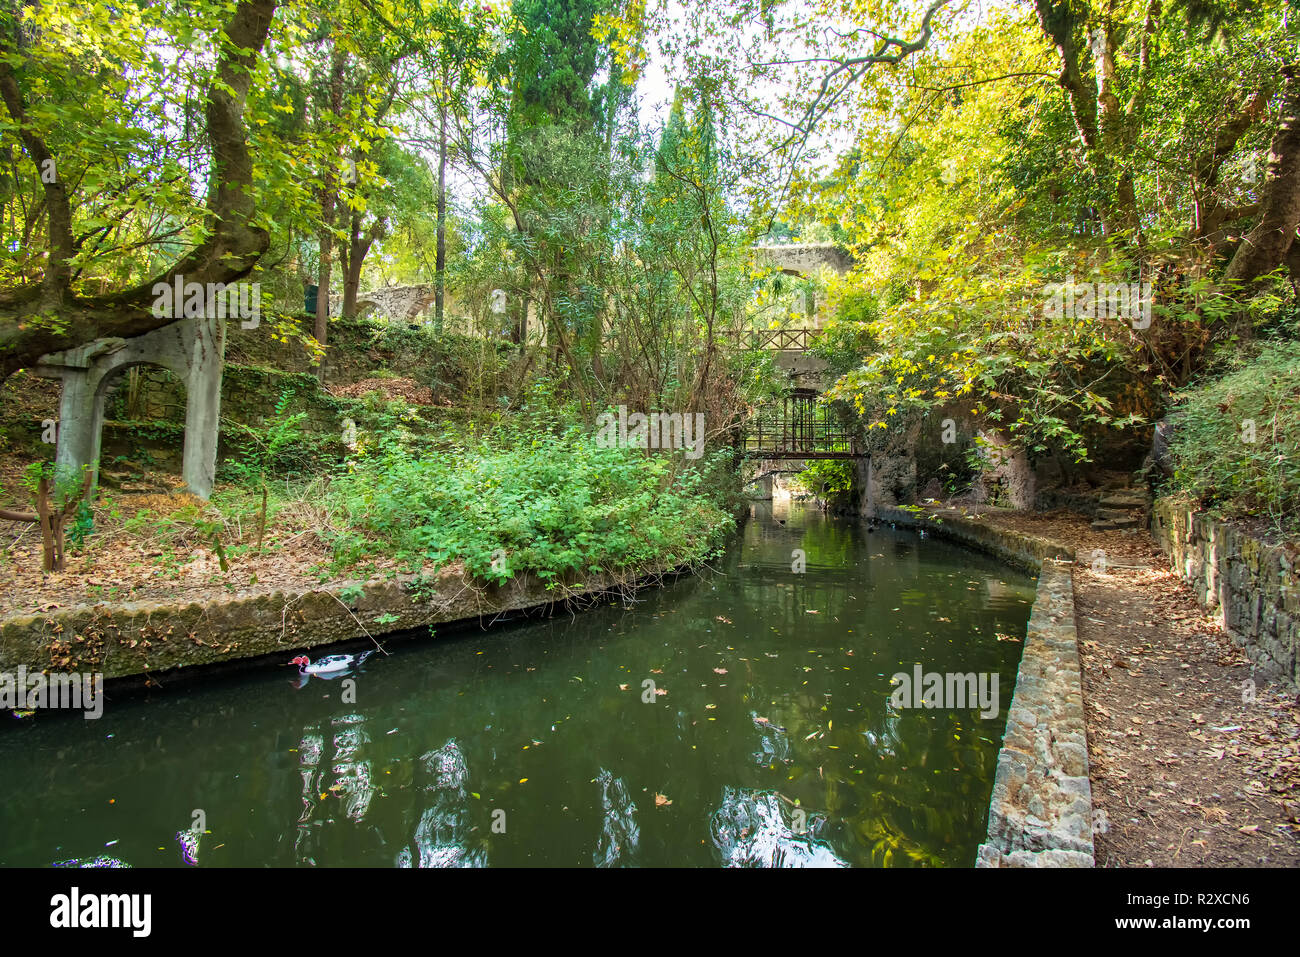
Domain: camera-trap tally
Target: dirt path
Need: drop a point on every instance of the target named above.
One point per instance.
(1186, 770)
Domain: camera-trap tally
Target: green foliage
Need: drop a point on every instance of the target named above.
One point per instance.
(1258, 398)
(83, 523)
(281, 445)
(555, 60)
(530, 501)
(65, 483)
(826, 477)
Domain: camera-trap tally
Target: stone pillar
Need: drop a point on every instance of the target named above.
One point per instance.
(203, 406)
(1006, 466)
(78, 432)
(193, 349)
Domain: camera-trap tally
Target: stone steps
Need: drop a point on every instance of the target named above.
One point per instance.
(1121, 509)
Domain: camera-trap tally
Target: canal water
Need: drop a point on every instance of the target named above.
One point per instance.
(741, 717)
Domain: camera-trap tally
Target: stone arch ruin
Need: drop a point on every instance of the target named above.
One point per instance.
(805, 259)
(192, 349)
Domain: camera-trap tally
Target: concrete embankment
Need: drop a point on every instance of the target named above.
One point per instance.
(1040, 812)
(156, 639)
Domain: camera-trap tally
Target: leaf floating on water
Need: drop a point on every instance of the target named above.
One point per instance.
(622, 687)
(710, 707)
(719, 671)
(661, 690)
(722, 618)
(661, 801)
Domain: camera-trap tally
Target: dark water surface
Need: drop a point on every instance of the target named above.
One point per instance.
(776, 742)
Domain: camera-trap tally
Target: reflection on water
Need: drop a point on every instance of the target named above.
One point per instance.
(443, 837)
(753, 829)
(618, 831)
(768, 738)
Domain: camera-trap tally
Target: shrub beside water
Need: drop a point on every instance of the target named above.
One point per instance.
(550, 506)
(1213, 456)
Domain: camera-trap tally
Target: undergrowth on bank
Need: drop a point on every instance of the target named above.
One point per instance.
(527, 500)
(1235, 443)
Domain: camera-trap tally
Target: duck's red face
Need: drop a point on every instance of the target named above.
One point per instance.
(300, 660)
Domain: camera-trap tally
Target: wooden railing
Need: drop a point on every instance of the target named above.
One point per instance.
(776, 340)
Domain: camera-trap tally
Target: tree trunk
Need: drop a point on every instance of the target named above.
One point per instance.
(321, 328)
(328, 198)
(351, 264)
(1265, 247)
(234, 244)
(440, 260)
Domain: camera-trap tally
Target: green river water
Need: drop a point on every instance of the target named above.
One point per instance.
(533, 743)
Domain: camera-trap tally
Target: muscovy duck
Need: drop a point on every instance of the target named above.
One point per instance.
(332, 667)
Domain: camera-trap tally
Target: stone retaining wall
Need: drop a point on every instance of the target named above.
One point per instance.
(1040, 812)
(1015, 548)
(1252, 586)
(149, 639)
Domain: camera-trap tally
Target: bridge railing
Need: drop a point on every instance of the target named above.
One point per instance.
(776, 340)
(799, 428)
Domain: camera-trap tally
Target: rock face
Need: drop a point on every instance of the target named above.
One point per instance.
(1158, 458)
(1254, 587)
(887, 476)
(1008, 478)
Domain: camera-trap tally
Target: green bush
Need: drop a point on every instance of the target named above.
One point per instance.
(530, 501)
(826, 477)
(1213, 455)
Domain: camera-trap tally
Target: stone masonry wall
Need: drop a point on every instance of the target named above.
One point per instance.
(1040, 812)
(1254, 587)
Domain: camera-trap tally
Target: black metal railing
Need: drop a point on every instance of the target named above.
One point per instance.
(799, 428)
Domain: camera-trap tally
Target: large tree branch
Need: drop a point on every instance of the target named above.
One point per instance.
(35, 322)
(1265, 247)
(848, 71)
(1058, 23)
(1208, 211)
